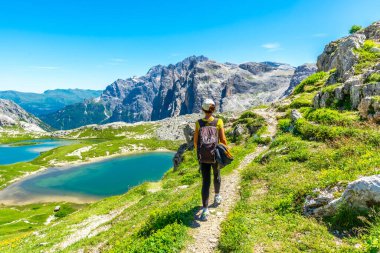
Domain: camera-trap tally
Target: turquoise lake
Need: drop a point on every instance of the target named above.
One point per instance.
(12, 154)
(88, 182)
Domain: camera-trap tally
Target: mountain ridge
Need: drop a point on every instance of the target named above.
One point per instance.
(48, 101)
(12, 115)
(178, 89)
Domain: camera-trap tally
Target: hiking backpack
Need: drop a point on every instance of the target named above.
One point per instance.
(207, 141)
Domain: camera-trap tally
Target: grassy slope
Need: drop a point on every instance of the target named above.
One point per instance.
(109, 141)
(325, 148)
(155, 222)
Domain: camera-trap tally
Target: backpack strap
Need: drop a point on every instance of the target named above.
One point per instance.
(203, 123)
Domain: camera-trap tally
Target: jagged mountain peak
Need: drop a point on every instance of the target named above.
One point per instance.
(178, 89)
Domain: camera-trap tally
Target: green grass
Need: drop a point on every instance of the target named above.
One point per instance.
(373, 78)
(20, 221)
(328, 116)
(114, 133)
(312, 82)
(302, 100)
(367, 58)
(330, 88)
(104, 143)
(155, 222)
(253, 124)
(269, 214)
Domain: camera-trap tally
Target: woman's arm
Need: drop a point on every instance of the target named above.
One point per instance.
(222, 136)
(196, 133)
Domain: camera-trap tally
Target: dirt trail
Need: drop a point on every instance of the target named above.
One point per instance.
(206, 234)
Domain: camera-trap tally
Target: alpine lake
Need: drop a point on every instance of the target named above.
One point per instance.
(81, 183)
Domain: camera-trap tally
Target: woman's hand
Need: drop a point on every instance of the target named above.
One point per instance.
(222, 136)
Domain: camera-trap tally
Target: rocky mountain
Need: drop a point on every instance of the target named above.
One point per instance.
(354, 66)
(12, 115)
(49, 101)
(167, 91)
(300, 73)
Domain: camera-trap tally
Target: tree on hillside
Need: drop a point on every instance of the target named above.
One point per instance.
(355, 28)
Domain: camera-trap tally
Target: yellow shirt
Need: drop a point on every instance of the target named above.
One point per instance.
(219, 124)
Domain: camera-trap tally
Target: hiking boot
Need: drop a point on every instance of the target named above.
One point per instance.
(204, 215)
(218, 199)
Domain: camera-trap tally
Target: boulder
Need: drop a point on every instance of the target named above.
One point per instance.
(360, 194)
(355, 95)
(188, 131)
(295, 115)
(178, 157)
(339, 55)
(323, 102)
(364, 192)
(369, 108)
(57, 208)
(239, 130)
(316, 100)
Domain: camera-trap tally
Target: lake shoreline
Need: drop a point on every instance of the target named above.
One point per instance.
(69, 165)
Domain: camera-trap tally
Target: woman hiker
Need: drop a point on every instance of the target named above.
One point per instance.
(209, 131)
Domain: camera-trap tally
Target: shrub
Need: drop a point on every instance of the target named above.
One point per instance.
(261, 140)
(331, 88)
(355, 28)
(367, 58)
(64, 211)
(319, 132)
(331, 117)
(248, 114)
(284, 125)
(310, 83)
(305, 100)
(349, 219)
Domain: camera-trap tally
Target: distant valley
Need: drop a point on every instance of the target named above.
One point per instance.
(48, 101)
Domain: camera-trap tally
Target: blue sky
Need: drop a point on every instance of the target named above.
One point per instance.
(89, 44)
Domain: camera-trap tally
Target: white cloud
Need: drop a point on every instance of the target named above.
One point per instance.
(271, 47)
(116, 61)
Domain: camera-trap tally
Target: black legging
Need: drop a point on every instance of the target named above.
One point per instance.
(206, 181)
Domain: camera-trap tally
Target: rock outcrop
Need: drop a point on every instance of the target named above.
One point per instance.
(12, 115)
(169, 91)
(351, 84)
(363, 193)
(340, 55)
(188, 132)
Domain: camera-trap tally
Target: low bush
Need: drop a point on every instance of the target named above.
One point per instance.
(331, 117)
(64, 211)
(355, 28)
(312, 82)
(373, 78)
(304, 100)
(367, 57)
